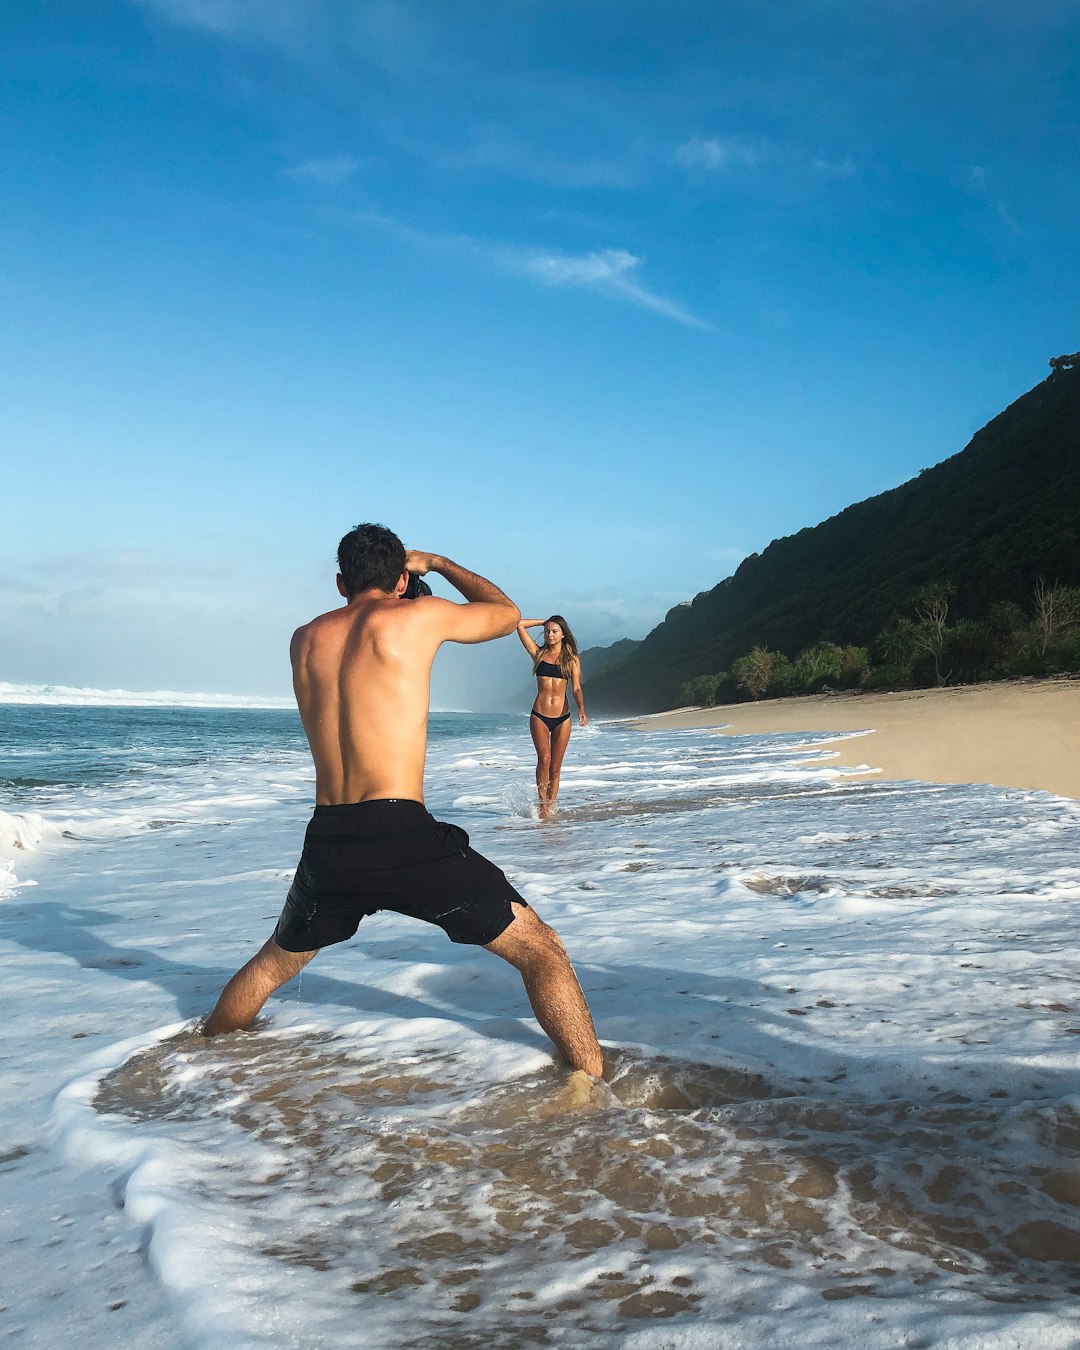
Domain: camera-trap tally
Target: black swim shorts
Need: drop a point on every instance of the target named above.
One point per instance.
(390, 854)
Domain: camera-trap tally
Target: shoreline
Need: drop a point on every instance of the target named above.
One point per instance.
(1012, 734)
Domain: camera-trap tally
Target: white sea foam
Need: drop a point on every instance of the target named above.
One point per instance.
(21, 832)
(843, 1044)
(55, 695)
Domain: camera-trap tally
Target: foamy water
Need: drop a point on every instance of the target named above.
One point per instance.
(841, 1104)
(66, 696)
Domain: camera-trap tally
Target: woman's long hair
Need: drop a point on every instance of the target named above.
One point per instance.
(569, 652)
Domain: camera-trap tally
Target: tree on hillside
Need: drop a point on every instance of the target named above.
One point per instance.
(703, 691)
(1057, 611)
(931, 605)
(753, 672)
(818, 663)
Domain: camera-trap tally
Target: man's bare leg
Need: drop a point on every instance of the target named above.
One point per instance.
(554, 993)
(247, 991)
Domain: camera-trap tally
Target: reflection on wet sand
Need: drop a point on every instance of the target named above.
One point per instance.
(585, 1210)
(730, 794)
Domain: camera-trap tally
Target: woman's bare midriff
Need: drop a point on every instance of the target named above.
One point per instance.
(551, 699)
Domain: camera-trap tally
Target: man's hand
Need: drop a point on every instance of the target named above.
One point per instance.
(419, 563)
(487, 613)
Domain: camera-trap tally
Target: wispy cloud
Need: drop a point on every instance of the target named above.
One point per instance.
(497, 150)
(269, 20)
(834, 168)
(329, 172)
(979, 184)
(611, 272)
(729, 154)
(714, 153)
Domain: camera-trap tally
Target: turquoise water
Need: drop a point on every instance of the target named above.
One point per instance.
(45, 751)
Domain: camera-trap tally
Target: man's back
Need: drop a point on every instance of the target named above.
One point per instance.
(362, 680)
(362, 677)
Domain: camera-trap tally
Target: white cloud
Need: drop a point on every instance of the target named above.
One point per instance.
(834, 168)
(128, 566)
(722, 152)
(274, 20)
(611, 265)
(329, 172)
(609, 272)
(979, 184)
(497, 149)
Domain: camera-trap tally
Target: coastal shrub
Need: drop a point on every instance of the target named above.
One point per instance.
(1008, 623)
(919, 649)
(895, 644)
(887, 677)
(827, 665)
(702, 690)
(968, 651)
(1028, 663)
(753, 671)
(1064, 658)
(926, 671)
(1011, 634)
(783, 677)
(854, 665)
(818, 665)
(727, 691)
(1057, 613)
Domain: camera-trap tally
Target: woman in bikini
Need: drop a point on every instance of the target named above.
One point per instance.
(557, 667)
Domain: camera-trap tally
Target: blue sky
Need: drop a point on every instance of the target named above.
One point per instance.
(596, 298)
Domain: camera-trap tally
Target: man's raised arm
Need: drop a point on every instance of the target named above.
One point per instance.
(487, 613)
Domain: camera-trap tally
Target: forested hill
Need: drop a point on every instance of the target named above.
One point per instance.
(991, 520)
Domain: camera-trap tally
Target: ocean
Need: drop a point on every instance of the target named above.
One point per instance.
(840, 1015)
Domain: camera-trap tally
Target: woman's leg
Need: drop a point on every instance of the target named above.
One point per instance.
(560, 739)
(542, 740)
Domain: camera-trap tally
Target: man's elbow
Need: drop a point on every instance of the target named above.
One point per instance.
(511, 619)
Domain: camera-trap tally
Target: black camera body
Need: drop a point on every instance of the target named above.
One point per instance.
(417, 586)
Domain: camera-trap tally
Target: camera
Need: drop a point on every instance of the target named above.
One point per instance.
(417, 586)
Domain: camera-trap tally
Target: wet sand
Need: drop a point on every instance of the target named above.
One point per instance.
(1021, 734)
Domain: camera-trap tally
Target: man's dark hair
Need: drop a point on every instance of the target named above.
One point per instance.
(370, 557)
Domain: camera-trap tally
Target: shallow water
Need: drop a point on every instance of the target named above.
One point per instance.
(839, 1016)
(581, 1218)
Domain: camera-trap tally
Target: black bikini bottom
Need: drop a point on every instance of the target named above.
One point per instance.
(551, 722)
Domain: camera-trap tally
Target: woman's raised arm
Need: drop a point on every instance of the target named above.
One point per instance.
(522, 631)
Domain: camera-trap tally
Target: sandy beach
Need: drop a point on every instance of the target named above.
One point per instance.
(1022, 734)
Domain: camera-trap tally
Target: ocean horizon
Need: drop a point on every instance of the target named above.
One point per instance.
(77, 696)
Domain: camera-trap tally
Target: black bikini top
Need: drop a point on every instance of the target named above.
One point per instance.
(550, 669)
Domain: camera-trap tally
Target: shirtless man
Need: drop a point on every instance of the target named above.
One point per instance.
(361, 674)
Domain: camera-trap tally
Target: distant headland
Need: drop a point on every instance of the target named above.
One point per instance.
(968, 572)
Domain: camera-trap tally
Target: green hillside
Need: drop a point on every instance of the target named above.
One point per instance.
(991, 520)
